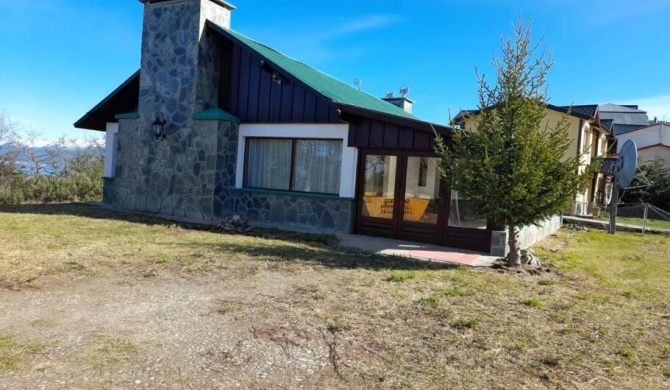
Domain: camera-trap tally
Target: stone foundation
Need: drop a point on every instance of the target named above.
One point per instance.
(294, 211)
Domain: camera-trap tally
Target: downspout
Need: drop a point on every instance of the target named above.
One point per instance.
(579, 142)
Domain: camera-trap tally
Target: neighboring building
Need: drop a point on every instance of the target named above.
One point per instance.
(589, 140)
(250, 131)
(652, 141)
(624, 118)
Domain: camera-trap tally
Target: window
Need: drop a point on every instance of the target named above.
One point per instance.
(301, 165)
(111, 133)
(380, 175)
(462, 213)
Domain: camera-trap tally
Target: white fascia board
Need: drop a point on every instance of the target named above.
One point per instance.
(111, 130)
(292, 130)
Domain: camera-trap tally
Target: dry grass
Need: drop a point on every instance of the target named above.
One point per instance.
(12, 352)
(599, 321)
(109, 351)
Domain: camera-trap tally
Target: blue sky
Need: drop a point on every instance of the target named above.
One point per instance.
(61, 57)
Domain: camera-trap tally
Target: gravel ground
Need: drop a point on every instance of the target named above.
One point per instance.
(161, 332)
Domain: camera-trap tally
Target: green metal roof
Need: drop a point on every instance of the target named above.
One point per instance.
(328, 86)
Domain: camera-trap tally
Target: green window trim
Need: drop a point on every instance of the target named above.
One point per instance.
(295, 194)
(128, 115)
(215, 114)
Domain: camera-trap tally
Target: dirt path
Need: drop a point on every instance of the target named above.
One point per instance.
(160, 332)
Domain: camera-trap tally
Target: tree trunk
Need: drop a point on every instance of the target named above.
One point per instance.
(514, 256)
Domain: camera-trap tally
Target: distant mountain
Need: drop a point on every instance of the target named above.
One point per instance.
(41, 154)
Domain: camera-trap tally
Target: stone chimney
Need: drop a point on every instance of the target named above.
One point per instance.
(180, 63)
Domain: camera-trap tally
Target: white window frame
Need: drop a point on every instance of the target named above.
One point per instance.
(111, 131)
(297, 131)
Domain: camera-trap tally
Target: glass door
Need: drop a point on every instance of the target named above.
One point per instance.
(377, 202)
(422, 198)
(400, 195)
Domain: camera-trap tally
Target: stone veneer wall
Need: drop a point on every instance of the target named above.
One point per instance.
(191, 174)
(180, 64)
(175, 176)
(322, 214)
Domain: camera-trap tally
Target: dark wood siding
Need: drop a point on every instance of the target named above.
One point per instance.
(372, 133)
(226, 50)
(255, 97)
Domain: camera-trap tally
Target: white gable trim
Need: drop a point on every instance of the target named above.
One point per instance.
(291, 130)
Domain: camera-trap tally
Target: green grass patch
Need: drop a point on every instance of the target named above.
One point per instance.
(626, 352)
(532, 302)
(430, 302)
(8, 353)
(401, 276)
(650, 223)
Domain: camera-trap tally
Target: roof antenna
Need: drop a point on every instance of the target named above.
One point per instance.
(404, 91)
(358, 82)
(389, 95)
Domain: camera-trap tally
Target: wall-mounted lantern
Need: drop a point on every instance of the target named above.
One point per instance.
(158, 126)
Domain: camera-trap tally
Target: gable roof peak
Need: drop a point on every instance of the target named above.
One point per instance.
(329, 87)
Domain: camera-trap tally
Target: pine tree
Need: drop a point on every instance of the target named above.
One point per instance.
(513, 169)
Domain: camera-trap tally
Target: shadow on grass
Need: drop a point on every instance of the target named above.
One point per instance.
(317, 249)
(84, 210)
(321, 255)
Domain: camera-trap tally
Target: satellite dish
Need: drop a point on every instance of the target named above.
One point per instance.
(624, 172)
(626, 164)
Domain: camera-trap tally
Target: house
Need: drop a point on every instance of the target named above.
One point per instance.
(624, 118)
(216, 124)
(630, 123)
(589, 140)
(652, 141)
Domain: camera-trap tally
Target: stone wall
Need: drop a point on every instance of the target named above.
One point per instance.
(528, 236)
(322, 214)
(180, 65)
(176, 176)
(191, 174)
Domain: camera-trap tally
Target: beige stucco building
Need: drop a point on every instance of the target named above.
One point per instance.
(589, 139)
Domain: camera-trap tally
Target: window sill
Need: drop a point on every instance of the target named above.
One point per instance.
(294, 194)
